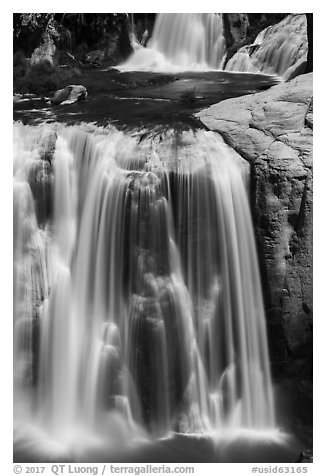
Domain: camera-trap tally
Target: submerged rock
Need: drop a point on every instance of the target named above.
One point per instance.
(279, 49)
(69, 95)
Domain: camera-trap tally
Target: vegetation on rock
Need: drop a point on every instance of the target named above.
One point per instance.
(51, 49)
(41, 77)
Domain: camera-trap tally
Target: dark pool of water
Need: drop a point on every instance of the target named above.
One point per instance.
(136, 100)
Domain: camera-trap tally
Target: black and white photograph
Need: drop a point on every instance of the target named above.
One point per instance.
(162, 241)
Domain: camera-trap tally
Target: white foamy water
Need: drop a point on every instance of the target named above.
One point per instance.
(276, 50)
(181, 42)
(137, 294)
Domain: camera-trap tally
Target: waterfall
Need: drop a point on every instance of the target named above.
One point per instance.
(274, 57)
(181, 42)
(277, 50)
(137, 290)
(132, 32)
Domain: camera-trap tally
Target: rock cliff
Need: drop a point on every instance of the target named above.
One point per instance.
(273, 131)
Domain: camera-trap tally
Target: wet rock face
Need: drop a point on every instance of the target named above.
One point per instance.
(283, 215)
(273, 131)
(279, 49)
(41, 179)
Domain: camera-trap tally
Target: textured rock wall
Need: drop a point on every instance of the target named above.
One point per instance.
(273, 131)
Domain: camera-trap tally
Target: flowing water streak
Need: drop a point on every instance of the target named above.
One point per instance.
(181, 42)
(155, 309)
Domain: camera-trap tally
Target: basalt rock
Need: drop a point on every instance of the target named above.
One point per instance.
(273, 131)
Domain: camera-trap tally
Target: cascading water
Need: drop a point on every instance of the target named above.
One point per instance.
(137, 291)
(276, 50)
(181, 42)
(274, 57)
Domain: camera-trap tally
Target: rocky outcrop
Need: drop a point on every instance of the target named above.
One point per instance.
(273, 131)
(279, 49)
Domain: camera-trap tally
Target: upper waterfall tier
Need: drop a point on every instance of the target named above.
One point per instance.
(181, 42)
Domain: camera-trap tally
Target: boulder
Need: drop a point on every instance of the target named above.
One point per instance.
(69, 95)
(273, 131)
(278, 49)
(59, 96)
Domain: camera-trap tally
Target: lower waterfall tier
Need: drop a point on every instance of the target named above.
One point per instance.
(136, 285)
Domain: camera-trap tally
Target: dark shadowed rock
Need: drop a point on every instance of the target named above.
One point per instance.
(40, 179)
(238, 26)
(47, 145)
